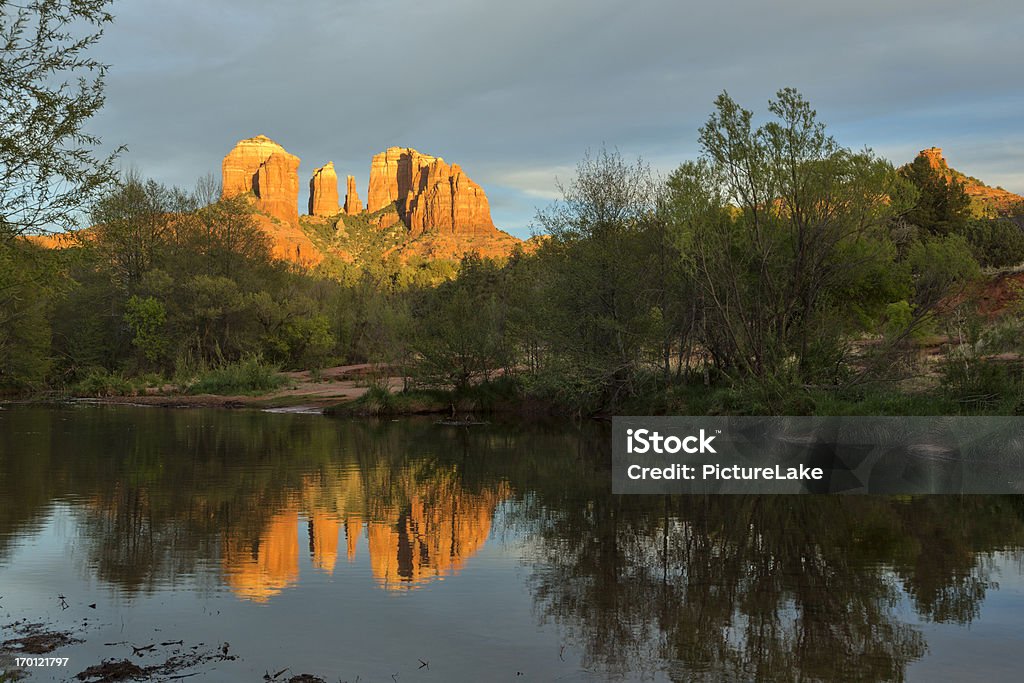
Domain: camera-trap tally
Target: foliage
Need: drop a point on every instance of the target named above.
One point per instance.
(49, 168)
(29, 283)
(99, 383)
(942, 207)
(995, 243)
(785, 230)
(146, 318)
(248, 375)
(599, 290)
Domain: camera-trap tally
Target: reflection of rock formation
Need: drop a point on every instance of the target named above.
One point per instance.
(430, 539)
(430, 531)
(323, 540)
(263, 569)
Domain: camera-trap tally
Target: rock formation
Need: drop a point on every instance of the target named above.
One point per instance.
(429, 194)
(352, 204)
(323, 191)
(261, 166)
(393, 174)
(934, 157)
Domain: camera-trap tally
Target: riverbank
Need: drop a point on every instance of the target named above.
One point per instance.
(365, 390)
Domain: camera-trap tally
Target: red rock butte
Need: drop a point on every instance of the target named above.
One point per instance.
(263, 167)
(445, 212)
(429, 194)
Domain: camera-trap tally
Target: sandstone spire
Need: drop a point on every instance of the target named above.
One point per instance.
(323, 191)
(261, 166)
(352, 203)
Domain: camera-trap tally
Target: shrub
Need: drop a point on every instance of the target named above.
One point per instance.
(249, 375)
(100, 383)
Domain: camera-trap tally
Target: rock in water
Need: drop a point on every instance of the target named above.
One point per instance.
(261, 166)
(323, 191)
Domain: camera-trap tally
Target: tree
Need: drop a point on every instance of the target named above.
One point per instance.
(787, 233)
(49, 166)
(943, 206)
(131, 228)
(601, 272)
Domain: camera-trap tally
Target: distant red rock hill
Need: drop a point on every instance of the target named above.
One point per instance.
(985, 200)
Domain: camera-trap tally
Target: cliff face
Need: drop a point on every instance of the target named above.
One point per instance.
(323, 191)
(393, 175)
(261, 166)
(984, 199)
(429, 194)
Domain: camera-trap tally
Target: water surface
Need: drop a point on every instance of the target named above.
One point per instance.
(350, 548)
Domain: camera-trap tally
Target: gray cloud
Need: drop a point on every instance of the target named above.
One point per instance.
(516, 92)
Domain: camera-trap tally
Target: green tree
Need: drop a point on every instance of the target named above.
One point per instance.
(995, 242)
(132, 226)
(785, 231)
(146, 317)
(49, 165)
(943, 206)
(604, 324)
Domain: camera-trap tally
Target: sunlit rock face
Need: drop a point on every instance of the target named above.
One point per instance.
(261, 166)
(392, 175)
(323, 191)
(430, 195)
(353, 205)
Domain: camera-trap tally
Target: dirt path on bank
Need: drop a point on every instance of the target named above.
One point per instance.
(306, 391)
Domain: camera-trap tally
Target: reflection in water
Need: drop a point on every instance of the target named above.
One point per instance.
(688, 588)
(264, 568)
(426, 528)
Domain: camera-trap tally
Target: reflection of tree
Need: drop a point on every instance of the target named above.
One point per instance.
(717, 587)
(765, 588)
(157, 493)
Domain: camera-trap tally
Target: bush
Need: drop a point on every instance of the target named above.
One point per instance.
(249, 375)
(996, 243)
(101, 383)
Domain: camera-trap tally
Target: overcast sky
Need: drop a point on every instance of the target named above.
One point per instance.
(516, 92)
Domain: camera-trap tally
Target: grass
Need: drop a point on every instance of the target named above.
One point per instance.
(378, 401)
(101, 383)
(247, 376)
(696, 399)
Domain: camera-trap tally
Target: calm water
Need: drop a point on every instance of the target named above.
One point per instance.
(358, 550)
